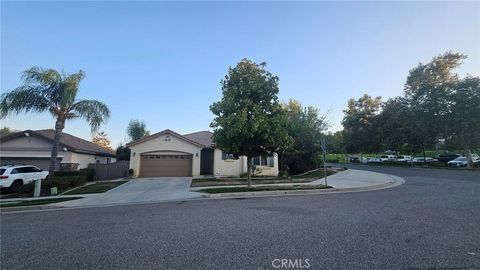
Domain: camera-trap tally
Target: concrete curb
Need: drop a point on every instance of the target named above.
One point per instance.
(396, 181)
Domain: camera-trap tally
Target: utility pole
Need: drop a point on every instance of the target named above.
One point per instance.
(324, 149)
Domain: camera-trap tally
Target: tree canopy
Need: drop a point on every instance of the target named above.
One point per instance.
(304, 126)
(101, 139)
(137, 129)
(249, 120)
(359, 133)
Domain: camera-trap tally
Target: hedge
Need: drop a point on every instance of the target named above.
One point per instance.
(62, 183)
(89, 173)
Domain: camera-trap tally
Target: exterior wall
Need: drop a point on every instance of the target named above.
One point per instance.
(239, 166)
(227, 167)
(84, 159)
(161, 145)
(270, 171)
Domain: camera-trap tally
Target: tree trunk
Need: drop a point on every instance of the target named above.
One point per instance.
(59, 125)
(249, 172)
(468, 153)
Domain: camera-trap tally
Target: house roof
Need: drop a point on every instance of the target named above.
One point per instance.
(201, 137)
(72, 143)
(163, 132)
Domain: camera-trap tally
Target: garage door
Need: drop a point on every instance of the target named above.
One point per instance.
(42, 163)
(165, 165)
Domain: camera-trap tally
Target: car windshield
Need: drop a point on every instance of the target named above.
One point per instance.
(384, 156)
(461, 159)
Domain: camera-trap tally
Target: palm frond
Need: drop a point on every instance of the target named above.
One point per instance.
(93, 111)
(49, 81)
(69, 89)
(42, 76)
(23, 99)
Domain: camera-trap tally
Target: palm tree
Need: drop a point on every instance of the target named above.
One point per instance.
(48, 90)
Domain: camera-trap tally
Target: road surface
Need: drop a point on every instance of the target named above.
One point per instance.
(430, 222)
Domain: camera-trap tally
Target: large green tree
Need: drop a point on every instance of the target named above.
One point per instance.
(359, 134)
(249, 120)
(137, 129)
(464, 120)
(428, 92)
(48, 90)
(305, 126)
(443, 105)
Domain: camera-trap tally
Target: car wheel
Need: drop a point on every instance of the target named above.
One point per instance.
(16, 185)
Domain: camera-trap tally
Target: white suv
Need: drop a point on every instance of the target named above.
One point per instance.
(14, 176)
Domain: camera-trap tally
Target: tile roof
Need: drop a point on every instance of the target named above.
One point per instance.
(72, 143)
(201, 137)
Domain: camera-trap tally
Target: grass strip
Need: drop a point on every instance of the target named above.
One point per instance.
(36, 202)
(95, 188)
(262, 188)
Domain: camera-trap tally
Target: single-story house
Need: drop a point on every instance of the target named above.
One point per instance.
(33, 147)
(168, 153)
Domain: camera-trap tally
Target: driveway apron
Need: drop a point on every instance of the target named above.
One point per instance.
(154, 189)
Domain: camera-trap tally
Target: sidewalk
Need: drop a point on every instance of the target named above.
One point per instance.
(348, 179)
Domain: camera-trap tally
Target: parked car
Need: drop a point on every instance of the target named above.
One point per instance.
(458, 162)
(447, 157)
(404, 159)
(355, 159)
(423, 160)
(14, 176)
(387, 158)
(374, 160)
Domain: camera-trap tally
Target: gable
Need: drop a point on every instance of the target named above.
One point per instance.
(27, 143)
(166, 142)
(165, 135)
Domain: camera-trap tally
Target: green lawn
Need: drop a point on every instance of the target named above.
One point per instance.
(261, 188)
(95, 188)
(235, 181)
(37, 202)
(314, 175)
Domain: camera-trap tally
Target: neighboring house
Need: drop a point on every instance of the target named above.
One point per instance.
(168, 153)
(33, 147)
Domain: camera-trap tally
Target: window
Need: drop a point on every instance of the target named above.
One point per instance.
(260, 161)
(227, 156)
(2, 171)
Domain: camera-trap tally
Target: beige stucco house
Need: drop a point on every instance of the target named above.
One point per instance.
(33, 147)
(168, 153)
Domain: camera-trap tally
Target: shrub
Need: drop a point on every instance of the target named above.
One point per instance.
(89, 173)
(333, 160)
(283, 174)
(68, 173)
(61, 182)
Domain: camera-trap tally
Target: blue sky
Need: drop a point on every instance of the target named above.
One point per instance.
(162, 62)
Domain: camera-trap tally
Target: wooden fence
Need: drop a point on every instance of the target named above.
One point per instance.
(110, 171)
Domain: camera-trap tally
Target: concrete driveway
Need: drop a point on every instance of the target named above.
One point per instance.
(156, 189)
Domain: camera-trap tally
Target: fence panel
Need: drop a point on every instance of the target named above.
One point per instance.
(110, 171)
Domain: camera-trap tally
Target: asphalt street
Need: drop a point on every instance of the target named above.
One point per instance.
(430, 222)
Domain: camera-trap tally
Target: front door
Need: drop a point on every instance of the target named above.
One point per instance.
(206, 161)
